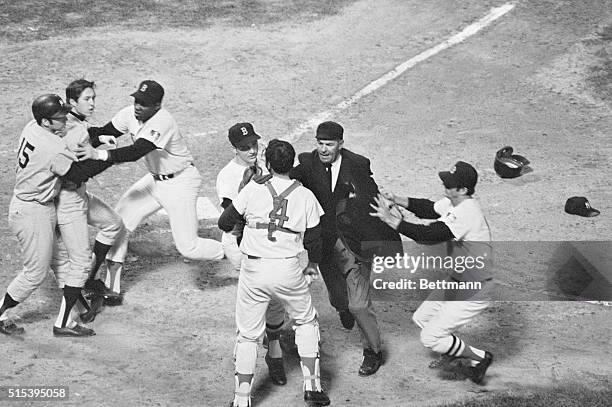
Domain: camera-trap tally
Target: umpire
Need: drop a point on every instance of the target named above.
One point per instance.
(342, 182)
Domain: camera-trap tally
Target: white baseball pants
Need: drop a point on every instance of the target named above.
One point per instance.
(178, 196)
(34, 226)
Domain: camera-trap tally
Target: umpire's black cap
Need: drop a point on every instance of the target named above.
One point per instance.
(329, 131)
(49, 106)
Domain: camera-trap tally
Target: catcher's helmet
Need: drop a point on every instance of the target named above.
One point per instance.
(508, 165)
(49, 106)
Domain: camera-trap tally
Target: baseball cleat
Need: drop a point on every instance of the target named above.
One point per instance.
(347, 319)
(371, 362)
(97, 287)
(276, 370)
(113, 301)
(477, 372)
(9, 328)
(316, 398)
(77, 330)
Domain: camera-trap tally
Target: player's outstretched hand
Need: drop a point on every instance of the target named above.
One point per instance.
(109, 141)
(387, 194)
(84, 151)
(311, 272)
(386, 211)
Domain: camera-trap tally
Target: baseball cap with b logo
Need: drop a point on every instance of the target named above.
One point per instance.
(462, 175)
(149, 92)
(241, 135)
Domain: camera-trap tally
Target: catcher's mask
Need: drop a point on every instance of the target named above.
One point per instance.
(508, 165)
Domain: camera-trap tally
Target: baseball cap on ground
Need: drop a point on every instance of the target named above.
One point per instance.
(462, 175)
(241, 135)
(579, 205)
(329, 131)
(149, 92)
(49, 106)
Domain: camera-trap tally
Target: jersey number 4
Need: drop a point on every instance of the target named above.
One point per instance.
(23, 156)
(279, 212)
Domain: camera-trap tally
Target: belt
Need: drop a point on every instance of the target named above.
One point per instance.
(162, 177)
(257, 257)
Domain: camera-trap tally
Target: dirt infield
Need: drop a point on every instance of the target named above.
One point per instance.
(538, 79)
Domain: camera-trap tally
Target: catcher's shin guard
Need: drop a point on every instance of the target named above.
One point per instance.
(242, 394)
(312, 374)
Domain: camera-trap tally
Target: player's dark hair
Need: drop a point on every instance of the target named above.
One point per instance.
(280, 156)
(470, 191)
(75, 88)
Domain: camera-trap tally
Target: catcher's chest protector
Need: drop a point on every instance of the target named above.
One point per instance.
(278, 214)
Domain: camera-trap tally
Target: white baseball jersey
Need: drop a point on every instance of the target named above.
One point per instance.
(172, 154)
(41, 159)
(229, 178)
(76, 132)
(466, 220)
(469, 225)
(300, 212)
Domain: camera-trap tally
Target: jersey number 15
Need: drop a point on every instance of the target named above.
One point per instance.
(23, 156)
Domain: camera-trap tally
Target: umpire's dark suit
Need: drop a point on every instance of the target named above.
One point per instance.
(347, 223)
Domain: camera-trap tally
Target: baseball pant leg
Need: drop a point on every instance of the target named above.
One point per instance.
(437, 334)
(101, 216)
(231, 249)
(74, 231)
(135, 205)
(34, 226)
(291, 289)
(251, 305)
(178, 196)
(60, 262)
(428, 308)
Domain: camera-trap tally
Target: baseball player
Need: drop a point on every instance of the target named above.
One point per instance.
(42, 159)
(76, 208)
(233, 177)
(282, 218)
(173, 181)
(459, 218)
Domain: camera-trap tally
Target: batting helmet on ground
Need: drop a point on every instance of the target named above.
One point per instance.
(508, 165)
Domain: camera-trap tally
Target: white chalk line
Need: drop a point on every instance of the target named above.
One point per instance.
(314, 121)
(467, 32)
